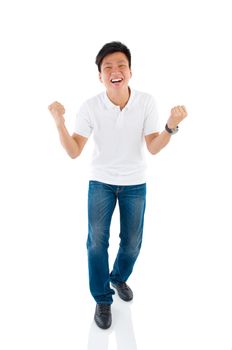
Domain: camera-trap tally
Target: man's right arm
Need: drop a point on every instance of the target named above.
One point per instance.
(72, 144)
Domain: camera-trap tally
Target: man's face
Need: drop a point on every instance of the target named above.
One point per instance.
(115, 72)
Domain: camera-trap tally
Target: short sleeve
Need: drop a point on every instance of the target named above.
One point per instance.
(83, 125)
(151, 120)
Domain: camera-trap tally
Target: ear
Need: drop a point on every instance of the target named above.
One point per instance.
(130, 73)
(100, 77)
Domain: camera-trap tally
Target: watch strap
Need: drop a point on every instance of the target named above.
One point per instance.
(171, 131)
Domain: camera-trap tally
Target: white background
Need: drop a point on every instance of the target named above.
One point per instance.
(181, 53)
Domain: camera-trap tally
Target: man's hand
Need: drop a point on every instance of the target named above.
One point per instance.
(57, 111)
(178, 113)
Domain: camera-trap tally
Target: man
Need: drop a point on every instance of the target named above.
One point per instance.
(120, 119)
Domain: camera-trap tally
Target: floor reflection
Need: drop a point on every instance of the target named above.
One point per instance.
(121, 331)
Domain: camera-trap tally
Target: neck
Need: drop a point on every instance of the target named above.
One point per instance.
(119, 98)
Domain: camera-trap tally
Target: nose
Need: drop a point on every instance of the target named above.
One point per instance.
(115, 69)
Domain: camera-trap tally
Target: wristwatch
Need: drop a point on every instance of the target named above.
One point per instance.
(171, 131)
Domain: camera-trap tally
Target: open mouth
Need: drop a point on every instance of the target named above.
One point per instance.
(118, 80)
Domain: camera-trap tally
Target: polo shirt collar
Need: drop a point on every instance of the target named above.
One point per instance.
(110, 105)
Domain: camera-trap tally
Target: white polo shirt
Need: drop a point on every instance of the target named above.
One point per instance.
(118, 156)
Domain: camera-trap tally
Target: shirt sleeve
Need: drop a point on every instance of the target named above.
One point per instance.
(83, 125)
(151, 121)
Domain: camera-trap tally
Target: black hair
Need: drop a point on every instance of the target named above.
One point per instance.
(107, 49)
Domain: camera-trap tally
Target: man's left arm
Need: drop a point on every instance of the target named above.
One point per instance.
(156, 141)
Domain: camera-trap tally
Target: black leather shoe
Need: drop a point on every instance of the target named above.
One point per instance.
(124, 291)
(102, 316)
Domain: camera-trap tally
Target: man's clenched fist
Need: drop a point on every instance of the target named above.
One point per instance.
(178, 113)
(57, 110)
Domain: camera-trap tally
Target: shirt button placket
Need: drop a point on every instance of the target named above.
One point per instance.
(120, 119)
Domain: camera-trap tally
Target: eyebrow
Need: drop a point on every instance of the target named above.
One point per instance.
(121, 61)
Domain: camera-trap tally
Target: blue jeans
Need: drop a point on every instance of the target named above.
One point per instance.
(102, 199)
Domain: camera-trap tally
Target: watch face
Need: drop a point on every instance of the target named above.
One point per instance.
(174, 131)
